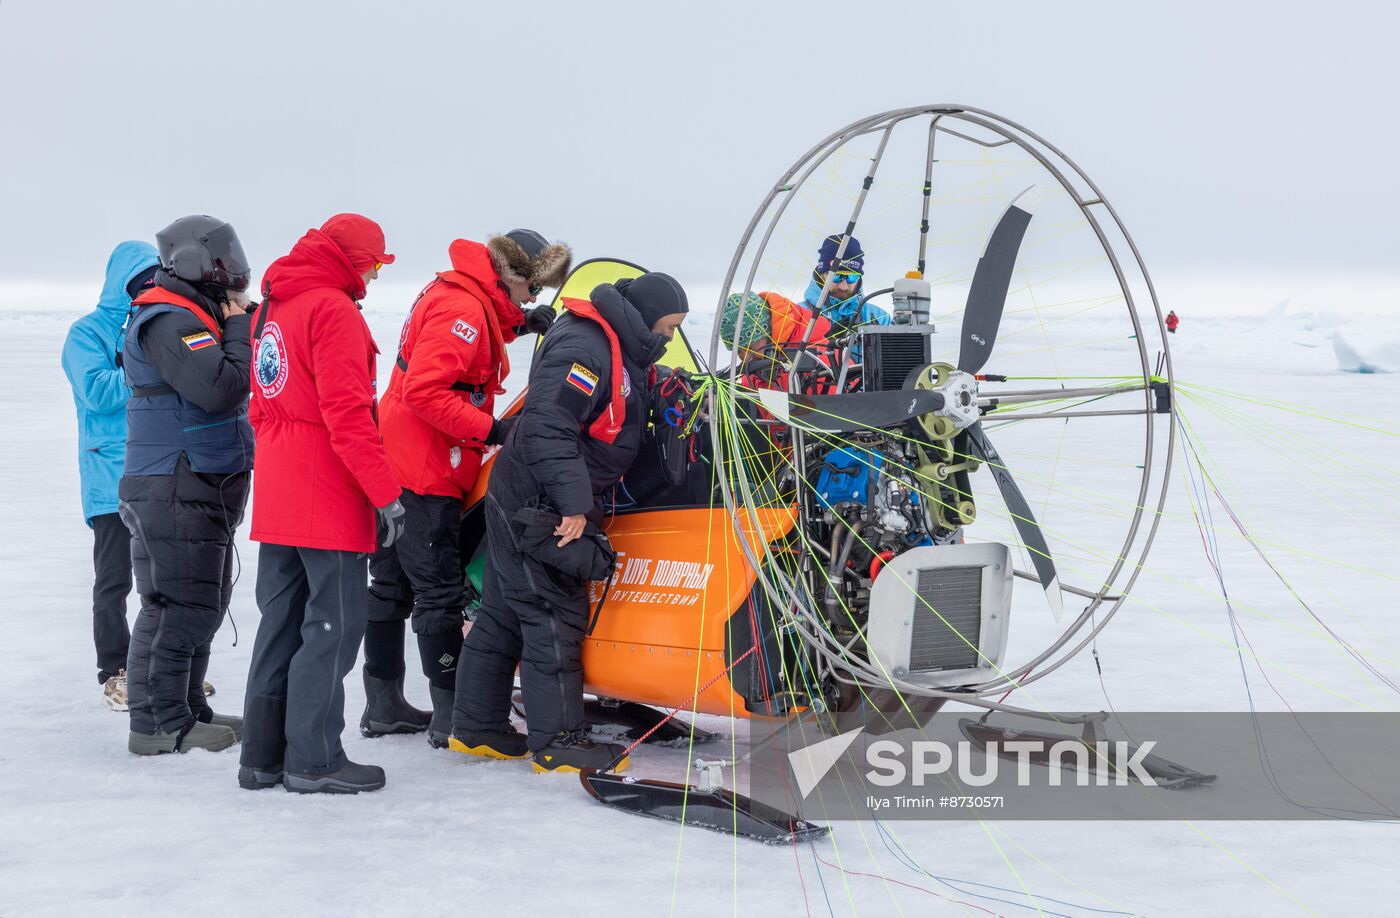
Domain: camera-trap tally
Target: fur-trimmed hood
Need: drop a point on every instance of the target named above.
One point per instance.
(547, 269)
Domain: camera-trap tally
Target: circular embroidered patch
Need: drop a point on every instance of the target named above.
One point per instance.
(271, 366)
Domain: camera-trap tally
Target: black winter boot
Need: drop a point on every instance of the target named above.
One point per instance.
(440, 728)
(574, 751)
(351, 778)
(388, 711)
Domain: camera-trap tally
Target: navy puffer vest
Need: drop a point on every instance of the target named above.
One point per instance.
(162, 426)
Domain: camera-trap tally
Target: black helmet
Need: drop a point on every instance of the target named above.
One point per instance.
(204, 250)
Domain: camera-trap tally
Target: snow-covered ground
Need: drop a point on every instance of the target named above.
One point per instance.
(89, 829)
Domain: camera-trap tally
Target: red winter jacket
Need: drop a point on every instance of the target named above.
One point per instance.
(320, 469)
(439, 406)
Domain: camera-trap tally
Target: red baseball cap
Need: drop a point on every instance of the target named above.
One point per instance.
(360, 238)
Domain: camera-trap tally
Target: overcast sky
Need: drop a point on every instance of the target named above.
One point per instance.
(1234, 138)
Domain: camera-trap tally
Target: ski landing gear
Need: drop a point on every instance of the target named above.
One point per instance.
(708, 805)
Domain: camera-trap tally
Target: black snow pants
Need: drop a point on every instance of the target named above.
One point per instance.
(314, 605)
(536, 620)
(182, 554)
(421, 574)
(111, 564)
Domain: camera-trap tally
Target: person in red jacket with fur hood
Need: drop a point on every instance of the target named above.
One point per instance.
(320, 473)
(437, 417)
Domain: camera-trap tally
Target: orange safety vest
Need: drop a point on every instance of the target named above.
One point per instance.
(161, 295)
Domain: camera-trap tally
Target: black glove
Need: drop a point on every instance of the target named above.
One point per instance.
(539, 319)
(500, 429)
(391, 523)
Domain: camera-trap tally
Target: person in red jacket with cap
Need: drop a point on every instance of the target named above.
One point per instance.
(437, 417)
(324, 495)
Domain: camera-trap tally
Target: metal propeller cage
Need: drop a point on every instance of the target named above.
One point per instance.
(1147, 360)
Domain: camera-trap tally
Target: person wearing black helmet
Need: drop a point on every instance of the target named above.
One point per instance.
(437, 417)
(185, 481)
(579, 431)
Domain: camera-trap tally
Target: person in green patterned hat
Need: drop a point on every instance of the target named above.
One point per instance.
(756, 326)
(770, 337)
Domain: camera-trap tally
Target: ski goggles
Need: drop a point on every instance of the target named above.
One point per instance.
(845, 278)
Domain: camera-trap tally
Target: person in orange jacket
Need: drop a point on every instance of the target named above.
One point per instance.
(437, 418)
(772, 339)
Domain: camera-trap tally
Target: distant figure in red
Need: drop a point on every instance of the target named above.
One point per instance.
(1172, 322)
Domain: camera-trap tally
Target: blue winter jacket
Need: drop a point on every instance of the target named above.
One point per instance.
(847, 313)
(99, 389)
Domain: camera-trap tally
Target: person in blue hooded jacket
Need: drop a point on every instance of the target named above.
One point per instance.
(91, 360)
(842, 307)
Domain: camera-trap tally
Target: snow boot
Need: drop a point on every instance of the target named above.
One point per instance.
(440, 728)
(574, 751)
(232, 721)
(199, 736)
(250, 778)
(114, 691)
(350, 778)
(388, 711)
(490, 744)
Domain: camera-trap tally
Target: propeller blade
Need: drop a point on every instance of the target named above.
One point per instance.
(1029, 529)
(850, 412)
(986, 298)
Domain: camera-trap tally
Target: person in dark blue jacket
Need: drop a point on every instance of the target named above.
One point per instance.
(189, 451)
(585, 413)
(90, 360)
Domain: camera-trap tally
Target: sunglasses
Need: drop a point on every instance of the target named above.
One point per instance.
(535, 289)
(845, 278)
(378, 265)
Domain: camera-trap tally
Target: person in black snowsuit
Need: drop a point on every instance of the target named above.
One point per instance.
(185, 482)
(579, 430)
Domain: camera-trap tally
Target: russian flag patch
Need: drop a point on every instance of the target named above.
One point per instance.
(583, 379)
(199, 342)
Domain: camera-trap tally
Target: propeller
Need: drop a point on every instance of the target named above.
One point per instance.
(986, 298)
